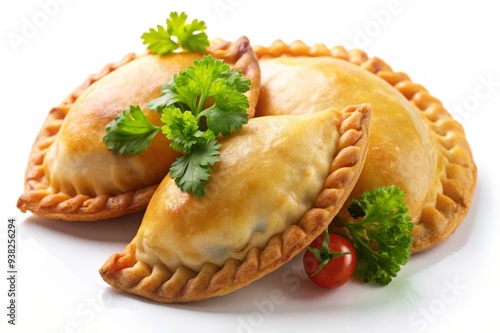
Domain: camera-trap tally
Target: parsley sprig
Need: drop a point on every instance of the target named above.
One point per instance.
(196, 105)
(130, 133)
(177, 33)
(382, 237)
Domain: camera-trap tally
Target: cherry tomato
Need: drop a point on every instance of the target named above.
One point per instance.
(336, 255)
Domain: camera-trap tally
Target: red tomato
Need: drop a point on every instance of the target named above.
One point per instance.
(339, 266)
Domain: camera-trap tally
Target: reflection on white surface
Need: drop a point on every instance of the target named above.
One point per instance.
(66, 256)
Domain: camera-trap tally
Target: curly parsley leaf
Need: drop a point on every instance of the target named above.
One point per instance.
(382, 239)
(130, 132)
(177, 33)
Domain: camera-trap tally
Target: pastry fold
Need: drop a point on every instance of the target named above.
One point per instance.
(71, 175)
(279, 183)
(414, 143)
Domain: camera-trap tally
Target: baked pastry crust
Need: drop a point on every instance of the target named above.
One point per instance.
(152, 267)
(68, 180)
(438, 173)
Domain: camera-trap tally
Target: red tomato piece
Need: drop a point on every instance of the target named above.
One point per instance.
(337, 256)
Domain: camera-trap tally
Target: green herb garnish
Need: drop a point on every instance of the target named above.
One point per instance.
(197, 104)
(130, 132)
(190, 37)
(382, 238)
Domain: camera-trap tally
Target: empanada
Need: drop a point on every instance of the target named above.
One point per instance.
(414, 142)
(279, 183)
(72, 175)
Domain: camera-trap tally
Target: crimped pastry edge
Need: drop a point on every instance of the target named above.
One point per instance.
(124, 272)
(39, 200)
(450, 206)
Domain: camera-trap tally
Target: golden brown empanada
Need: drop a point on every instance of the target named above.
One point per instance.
(414, 142)
(279, 183)
(72, 175)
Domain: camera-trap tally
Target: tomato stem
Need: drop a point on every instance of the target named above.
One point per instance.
(324, 255)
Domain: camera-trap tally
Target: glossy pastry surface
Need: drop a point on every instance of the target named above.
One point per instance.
(280, 181)
(414, 143)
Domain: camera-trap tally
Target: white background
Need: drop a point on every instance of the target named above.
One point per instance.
(449, 47)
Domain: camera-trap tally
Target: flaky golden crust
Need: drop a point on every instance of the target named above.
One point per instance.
(442, 215)
(124, 272)
(41, 200)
